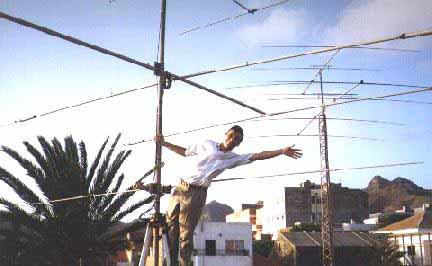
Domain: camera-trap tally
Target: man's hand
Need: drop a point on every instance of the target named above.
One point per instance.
(159, 139)
(293, 153)
(175, 148)
(288, 151)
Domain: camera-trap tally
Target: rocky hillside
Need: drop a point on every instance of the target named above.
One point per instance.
(215, 212)
(388, 196)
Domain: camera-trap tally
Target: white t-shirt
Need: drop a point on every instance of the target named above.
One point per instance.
(211, 162)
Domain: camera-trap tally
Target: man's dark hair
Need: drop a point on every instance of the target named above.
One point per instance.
(238, 129)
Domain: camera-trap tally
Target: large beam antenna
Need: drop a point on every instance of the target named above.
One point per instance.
(160, 71)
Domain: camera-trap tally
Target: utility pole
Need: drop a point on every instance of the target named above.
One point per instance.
(326, 197)
(160, 71)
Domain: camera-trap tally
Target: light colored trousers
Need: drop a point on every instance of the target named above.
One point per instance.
(182, 216)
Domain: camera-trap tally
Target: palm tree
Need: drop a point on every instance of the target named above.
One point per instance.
(382, 253)
(65, 232)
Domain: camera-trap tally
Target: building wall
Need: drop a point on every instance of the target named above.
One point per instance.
(418, 247)
(221, 232)
(259, 224)
(354, 227)
(273, 213)
(242, 216)
(303, 204)
(298, 206)
(350, 204)
(251, 215)
(285, 207)
(222, 261)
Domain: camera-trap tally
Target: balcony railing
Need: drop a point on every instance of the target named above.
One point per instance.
(220, 252)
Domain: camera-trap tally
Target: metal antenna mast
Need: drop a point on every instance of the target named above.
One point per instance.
(326, 196)
(159, 71)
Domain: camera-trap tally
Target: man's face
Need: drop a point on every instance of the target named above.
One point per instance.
(232, 139)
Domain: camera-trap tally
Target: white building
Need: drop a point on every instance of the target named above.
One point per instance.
(223, 244)
(374, 218)
(356, 227)
(413, 237)
(273, 213)
(249, 213)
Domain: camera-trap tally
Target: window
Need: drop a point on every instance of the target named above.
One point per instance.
(210, 248)
(239, 244)
(313, 200)
(229, 246)
(234, 247)
(411, 250)
(316, 199)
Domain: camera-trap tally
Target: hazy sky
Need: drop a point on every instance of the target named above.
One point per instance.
(40, 73)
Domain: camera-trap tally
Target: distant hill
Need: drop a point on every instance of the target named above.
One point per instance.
(388, 196)
(215, 212)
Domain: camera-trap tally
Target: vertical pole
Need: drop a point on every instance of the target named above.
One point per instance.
(429, 248)
(412, 247)
(326, 220)
(403, 246)
(421, 249)
(158, 157)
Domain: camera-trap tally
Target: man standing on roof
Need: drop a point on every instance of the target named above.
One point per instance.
(189, 197)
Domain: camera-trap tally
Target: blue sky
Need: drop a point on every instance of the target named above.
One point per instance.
(40, 73)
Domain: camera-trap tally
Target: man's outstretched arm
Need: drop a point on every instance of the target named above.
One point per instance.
(288, 151)
(172, 147)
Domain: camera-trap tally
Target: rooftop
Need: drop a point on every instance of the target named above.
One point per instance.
(346, 239)
(418, 220)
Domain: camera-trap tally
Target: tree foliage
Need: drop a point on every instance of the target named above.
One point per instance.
(308, 227)
(65, 232)
(263, 247)
(383, 253)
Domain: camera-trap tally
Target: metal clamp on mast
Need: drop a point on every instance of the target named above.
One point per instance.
(159, 70)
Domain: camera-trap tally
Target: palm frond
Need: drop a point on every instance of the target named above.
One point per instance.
(113, 169)
(108, 199)
(59, 159)
(115, 206)
(132, 208)
(24, 192)
(95, 165)
(110, 175)
(101, 175)
(45, 166)
(32, 170)
(83, 162)
(71, 151)
(50, 157)
(16, 215)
